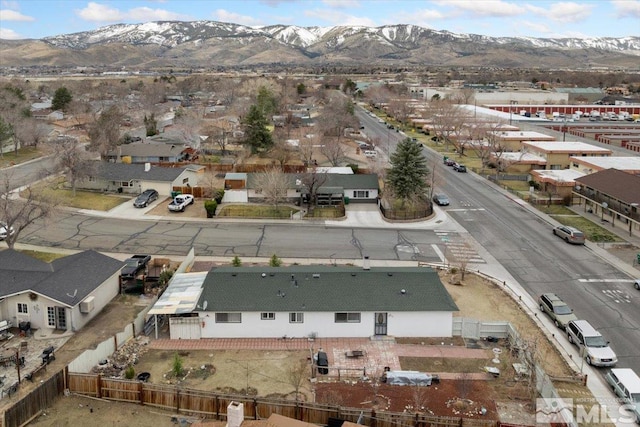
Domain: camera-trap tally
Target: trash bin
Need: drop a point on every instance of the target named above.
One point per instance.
(445, 159)
(175, 193)
(323, 363)
(346, 200)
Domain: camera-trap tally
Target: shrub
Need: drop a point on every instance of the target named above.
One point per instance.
(275, 261)
(177, 367)
(236, 261)
(129, 373)
(210, 206)
(218, 194)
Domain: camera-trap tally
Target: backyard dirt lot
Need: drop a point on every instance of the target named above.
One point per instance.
(273, 373)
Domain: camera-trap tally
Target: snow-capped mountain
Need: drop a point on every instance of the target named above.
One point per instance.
(198, 43)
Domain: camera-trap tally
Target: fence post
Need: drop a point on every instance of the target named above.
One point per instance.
(99, 386)
(140, 393)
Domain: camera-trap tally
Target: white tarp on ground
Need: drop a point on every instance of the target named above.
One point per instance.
(408, 378)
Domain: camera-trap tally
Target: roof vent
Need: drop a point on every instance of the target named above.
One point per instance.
(403, 291)
(316, 275)
(264, 275)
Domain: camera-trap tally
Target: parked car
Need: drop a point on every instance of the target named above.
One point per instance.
(636, 284)
(5, 230)
(441, 200)
(180, 202)
(592, 345)
(558, 310)
(459, 168)
(449, 162)
(145, 198)
(569, 234)
(626, 384)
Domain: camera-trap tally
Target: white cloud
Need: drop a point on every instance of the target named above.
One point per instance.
(235, 18)
(96, 12)
(626, 8)
(338, 18)
(484, 8)
(12, 15)
(418, 17)
(341, 4)
(8, 34)
(563, 12)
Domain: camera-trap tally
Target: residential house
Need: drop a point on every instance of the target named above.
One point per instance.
(612, 194)
(135, 178)
(556, 184)
(150, 151)
(589, 165)
(62, 295)
(512, 140)
(558, 153)
(322, 301)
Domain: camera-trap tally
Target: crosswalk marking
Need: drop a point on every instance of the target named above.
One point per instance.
(617, 295)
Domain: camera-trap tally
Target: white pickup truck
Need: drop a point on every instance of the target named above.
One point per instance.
(180, 202)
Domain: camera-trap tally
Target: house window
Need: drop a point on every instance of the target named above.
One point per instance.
(361, 194)
(51, 317)
(185, 181)
(296, 317)
(267, 316)
(347, 318)
(228, 317)
(22, 308)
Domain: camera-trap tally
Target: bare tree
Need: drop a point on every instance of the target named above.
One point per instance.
(281, 152)
(188, 124)
(333, 150)
(274, 185)
(104, 131)
(19, 210)
(312, 180)
(297, 373)
(464, 384)
(447, 120)
(35, 133)
(306, 146)
(74, 160)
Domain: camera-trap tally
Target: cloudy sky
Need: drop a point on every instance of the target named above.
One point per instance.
(21, 19)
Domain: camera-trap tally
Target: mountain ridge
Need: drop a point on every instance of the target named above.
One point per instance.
(166, 43)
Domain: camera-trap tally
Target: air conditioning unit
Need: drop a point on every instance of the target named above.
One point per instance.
(87, 305)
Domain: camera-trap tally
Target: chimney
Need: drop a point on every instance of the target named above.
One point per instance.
(235, 414)
(366, 265)
(147, 167)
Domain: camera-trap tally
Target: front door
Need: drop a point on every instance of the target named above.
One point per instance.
(380, 324)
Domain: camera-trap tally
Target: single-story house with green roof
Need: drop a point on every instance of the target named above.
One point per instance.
(322, 301)
(359, 188)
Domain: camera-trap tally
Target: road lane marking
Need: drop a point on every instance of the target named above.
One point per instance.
(605, 280)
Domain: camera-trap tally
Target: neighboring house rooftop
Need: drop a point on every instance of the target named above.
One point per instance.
(619, 185)
(324, 288)
(147, 149)
(523, 136)
(565, 147)
(357, 181)
(67, 280)
(626, 164)
(558, 176)
(123, 171)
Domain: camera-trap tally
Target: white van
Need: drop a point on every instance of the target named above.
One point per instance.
(370, 153)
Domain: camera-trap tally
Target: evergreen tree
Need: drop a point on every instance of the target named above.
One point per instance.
(61, 98)
(257, 136)
(408, 173)
(266, 101)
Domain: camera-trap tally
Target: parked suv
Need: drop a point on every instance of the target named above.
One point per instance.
(626, 384)
(460, 168)
(557, 310)
(596, 350)
(569, 234)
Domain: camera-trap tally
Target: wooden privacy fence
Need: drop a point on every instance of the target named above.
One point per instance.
(33, 403)
(214, 405)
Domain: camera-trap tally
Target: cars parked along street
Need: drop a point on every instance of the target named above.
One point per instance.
(592, 345)
(5, 230)
(626, 385)
(459, 168)
(556, 309)
(636, 284)
(145, 198)
(569, 234)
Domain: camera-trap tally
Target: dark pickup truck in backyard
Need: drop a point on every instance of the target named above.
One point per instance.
(134, 266)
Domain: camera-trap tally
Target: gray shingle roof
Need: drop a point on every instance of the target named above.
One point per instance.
(357, 181)
(146, 149)
(123, 172)
(324, 288)
(67, 280)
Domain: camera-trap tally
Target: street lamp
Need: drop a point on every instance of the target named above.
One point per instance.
(564, 129)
